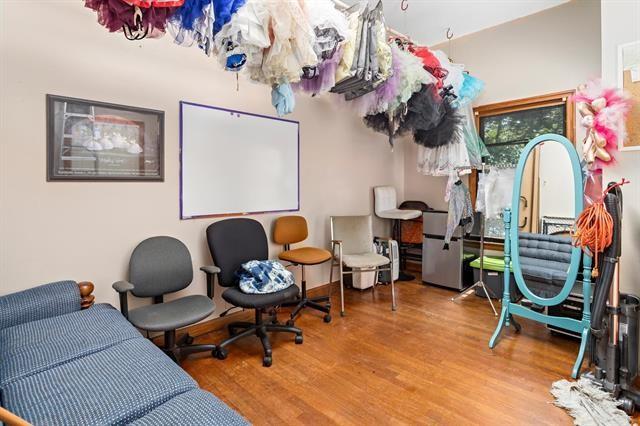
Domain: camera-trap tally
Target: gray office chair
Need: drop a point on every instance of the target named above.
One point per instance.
(159, 266)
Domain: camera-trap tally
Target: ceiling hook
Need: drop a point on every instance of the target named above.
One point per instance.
(449, 33)
(404, 5)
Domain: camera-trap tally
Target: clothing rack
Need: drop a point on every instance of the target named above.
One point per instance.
(480, 282)
(344, 6)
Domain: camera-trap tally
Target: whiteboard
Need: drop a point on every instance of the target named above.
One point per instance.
(234, 162)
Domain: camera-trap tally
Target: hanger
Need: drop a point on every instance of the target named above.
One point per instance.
(139, 31)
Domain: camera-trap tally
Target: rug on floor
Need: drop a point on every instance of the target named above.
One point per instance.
(588, 403)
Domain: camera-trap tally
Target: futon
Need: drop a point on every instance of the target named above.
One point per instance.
(63, 365)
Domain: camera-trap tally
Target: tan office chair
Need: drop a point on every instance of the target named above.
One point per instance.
(291, 230)
(352, 238)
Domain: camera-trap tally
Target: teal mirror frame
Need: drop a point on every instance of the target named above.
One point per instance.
(512, 257)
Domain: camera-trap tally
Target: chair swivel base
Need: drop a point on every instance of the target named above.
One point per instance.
(242, 329)
(183, 347)
(311, 302)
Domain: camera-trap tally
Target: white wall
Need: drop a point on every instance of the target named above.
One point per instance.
(86, 231)
(621, 24)
(556, 180)
(550, 51)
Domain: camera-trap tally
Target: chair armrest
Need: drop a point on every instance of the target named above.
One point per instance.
(211, 271)
(45, 301)
(388, 239)
(123, 287)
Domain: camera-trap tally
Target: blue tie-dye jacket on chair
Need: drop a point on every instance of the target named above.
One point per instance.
(263, 276)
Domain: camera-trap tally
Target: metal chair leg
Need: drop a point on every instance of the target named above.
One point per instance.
(341, 287)
(393, 292)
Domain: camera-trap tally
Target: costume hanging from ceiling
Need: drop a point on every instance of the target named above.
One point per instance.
(135, 21)
(224, 10)
(311, 46)
(193, 24)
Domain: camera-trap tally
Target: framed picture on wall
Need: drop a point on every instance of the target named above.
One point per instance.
(98, 141)
(629, 80)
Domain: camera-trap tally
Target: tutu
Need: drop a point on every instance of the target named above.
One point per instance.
(425, 110)
(155, 3)
(470, 90)
(188, 27)
(243, 39)
(224, 10)
(282, 99)
(112, 14)
(431, 64)
(190, 12)
(116, 14)
(325, 77)
(454, 75)
(386, 123)
(329, 24)
(449, 130)
(291, 47)
(443, 160)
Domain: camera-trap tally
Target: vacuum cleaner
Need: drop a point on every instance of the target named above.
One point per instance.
(614, 321)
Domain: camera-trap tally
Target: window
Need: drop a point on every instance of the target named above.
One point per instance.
(505, 135)
(506, 128)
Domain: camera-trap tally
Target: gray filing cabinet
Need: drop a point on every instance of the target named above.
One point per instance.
(441, 267)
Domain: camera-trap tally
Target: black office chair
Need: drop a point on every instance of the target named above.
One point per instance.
(233, 242)
(158, 266)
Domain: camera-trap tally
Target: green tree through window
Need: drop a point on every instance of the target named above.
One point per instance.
(505, 135)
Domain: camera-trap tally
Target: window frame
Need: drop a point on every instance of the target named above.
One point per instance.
(523, 104)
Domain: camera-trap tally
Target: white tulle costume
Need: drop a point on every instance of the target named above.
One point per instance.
(292, 44)
(247, 33)
(329, 24)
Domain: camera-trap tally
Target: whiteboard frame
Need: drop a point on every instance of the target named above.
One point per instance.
(214, 215)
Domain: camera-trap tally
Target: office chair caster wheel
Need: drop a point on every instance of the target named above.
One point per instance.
(267, 361)
(290, 323)
(188, 340)
(220, 353)
(327, 318)
(299, 339)
(627, 405)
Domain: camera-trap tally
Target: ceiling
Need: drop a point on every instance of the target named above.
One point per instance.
(426, 21)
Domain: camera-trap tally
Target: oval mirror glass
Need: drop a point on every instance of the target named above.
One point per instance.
(546, 215)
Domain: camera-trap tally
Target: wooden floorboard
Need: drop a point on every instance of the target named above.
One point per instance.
(427, 363)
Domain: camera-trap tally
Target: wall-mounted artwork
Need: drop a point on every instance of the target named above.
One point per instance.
(629, 80)
(89, 140)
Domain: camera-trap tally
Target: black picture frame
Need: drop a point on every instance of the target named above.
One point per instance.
(100, 141)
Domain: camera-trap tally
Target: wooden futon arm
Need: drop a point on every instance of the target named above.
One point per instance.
(10, 419)
(86, 298)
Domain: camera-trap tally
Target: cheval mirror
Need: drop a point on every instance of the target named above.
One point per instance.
(545, 266)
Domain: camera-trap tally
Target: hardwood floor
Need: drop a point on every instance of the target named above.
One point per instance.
(427, 363)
